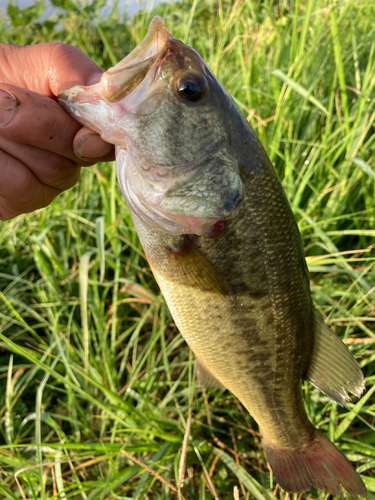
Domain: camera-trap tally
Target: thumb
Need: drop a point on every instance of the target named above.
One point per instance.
(47, 68)
(69, 66)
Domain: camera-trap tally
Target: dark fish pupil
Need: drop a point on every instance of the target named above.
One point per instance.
(190, 88)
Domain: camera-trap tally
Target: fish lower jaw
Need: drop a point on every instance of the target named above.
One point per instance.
(157, 220)
(147, 198)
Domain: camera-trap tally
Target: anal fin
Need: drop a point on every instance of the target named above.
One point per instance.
(205, 376)
(333, 369)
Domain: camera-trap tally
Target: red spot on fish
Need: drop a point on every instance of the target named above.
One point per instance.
(216, 229)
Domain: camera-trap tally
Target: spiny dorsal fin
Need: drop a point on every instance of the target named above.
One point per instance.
(333, 369)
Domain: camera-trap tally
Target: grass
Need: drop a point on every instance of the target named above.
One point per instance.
(99, 395)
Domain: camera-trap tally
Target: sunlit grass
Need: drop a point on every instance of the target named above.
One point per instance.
(99, 392)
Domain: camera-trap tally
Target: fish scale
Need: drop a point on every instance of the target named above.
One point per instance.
(224, 246)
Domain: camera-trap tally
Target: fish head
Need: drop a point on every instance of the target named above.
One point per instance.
(178, 135)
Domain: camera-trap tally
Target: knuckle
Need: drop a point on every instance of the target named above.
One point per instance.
(5, 213)
(62, 173)
(46, 197)
(40, 199)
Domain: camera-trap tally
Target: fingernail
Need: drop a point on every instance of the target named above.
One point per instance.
(8, 104)
(92, 146)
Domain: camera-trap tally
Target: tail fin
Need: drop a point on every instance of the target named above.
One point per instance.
(318, 463)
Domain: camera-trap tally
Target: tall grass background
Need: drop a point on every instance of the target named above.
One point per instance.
(99, 396)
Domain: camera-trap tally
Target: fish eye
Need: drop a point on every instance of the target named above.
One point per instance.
(191, 88)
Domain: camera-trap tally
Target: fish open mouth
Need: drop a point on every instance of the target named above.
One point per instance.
(100, 103)
(122, 79)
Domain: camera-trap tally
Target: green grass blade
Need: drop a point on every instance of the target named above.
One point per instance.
(344, 424)
(250, 483)
(300, 89)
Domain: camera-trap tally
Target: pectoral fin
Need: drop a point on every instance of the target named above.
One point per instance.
(190, 267)
(333, 369)
(205, 376)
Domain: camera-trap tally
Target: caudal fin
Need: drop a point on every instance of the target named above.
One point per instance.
(318, 463)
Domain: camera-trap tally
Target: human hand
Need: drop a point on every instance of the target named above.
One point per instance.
(41, 146)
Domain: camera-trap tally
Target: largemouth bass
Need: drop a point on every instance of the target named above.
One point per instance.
(224, 246)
